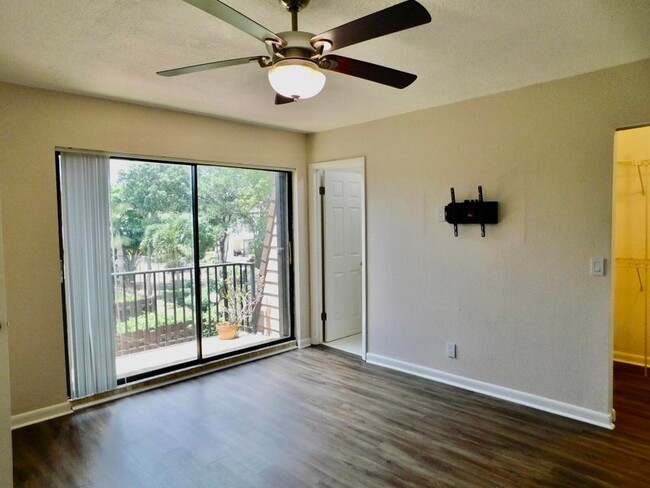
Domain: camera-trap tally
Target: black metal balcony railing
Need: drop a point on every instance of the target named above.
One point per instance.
(157, 308)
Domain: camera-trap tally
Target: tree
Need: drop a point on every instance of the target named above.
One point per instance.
(152, 204)
(128, 230)
(232, 197)
(170, 239)
(154, 188)
(144, 192)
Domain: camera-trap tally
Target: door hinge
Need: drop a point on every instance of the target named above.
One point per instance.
(321, 190)
(290, 252)
(323, 316)
(61, 273)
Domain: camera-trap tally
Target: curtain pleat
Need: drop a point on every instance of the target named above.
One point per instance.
(88, 268)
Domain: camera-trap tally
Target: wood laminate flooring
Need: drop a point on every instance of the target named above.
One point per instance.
(320, 418)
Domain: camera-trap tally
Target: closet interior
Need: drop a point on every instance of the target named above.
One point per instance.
(631, 246)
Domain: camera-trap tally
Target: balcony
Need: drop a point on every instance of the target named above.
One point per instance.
(156, 311)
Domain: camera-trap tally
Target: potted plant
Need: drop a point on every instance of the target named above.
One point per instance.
(239, 305)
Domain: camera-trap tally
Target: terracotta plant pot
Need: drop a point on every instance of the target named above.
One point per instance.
(227, 331)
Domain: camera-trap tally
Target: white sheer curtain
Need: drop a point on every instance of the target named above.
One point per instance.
(88, 267)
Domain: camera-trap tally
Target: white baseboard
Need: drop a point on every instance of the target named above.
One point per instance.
(624, 357)
(522, 398)
(41, 414)
(302, 343)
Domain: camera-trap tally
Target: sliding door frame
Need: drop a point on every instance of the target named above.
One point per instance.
(289, 301)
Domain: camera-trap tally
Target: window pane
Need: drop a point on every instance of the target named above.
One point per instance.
(153, 251)
(243, 229)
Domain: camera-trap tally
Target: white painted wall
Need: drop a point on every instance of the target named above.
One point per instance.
(520, 303)
(6, 469)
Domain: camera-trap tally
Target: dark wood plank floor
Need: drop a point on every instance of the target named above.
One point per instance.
(317, 417)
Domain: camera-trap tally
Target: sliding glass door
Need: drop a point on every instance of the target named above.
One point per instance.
(153, 254)
(199, 264)
(243, 215)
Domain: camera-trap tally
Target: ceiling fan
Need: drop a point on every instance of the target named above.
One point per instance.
(296, 59)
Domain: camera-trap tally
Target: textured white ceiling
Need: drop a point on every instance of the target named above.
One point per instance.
(113, 48)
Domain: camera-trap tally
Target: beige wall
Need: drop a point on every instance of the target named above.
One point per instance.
(32, 123)
(520, 304)
(631, 238)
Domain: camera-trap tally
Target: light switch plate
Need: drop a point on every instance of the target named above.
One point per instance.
(597, 266)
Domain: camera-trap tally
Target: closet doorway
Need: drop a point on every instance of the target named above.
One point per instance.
(631, 275)
(631, 249)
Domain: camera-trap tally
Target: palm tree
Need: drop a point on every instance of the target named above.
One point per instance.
(170, 239)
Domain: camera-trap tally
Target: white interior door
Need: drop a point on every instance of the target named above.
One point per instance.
(6, 473)
(342, 253)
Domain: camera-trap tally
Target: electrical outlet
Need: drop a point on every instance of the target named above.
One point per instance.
(451, 350)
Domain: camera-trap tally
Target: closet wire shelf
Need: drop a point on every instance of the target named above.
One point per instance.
(637, 263)
(639, 163)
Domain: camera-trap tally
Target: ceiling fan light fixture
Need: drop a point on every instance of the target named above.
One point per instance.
(296, 78)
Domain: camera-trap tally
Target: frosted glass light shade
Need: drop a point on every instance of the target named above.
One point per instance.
(296, 78)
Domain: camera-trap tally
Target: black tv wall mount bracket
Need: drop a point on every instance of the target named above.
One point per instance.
(471, 212)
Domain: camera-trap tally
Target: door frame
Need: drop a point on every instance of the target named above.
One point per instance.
(6, 456)
(613, 357)
(292, 299)
(357, 165)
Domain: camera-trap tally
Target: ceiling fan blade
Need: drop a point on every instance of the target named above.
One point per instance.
(262, 60)
(280, 100)
(236, 19)
(392, 19)
(367, 71)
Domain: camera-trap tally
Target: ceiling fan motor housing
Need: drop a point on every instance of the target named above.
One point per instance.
(298, 46)
(294, 5)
